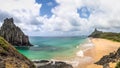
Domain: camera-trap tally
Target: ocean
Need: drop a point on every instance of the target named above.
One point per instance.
(46, 48)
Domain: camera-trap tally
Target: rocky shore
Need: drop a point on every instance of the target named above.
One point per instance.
(51, 64)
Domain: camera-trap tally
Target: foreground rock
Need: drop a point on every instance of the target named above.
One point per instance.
(112, 57)
(13, 34)
(11, 58)
(51, 64)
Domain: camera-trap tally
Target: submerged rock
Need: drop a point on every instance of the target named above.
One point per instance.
(13, 34)
(11, 58)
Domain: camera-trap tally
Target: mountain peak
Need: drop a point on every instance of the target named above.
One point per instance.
(13, 34)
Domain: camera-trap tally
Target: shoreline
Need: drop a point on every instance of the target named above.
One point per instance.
(91, 52)
(100, 48)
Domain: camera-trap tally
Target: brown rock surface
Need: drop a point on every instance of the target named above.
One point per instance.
(13, 34)
(11, 58)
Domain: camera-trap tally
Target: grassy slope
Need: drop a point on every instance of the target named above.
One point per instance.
(106, 35)
(11, 58)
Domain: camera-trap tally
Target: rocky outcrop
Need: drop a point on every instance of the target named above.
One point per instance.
(13, 34)
(112, 57)
(95, 34)
(51, 64)
(11, 58)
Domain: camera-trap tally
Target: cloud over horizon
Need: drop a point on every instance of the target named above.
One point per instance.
(62, 17)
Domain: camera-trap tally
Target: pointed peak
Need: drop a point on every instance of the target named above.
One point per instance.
(95, 29)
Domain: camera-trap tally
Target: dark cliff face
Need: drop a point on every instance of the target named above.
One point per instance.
(13, 34)
(11, 58)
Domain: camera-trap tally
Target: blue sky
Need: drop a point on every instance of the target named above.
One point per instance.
(62, 17)
(46, 7)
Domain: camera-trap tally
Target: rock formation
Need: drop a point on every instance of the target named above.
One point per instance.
(51, 64)
(11, 58)
(96, 33)
(112, 57)
(13, 34)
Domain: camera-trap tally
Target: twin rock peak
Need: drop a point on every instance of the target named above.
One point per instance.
(13, 34)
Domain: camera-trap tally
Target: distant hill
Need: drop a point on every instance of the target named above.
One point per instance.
(106, 35)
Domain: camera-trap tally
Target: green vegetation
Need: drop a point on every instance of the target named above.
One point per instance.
(118, 65)
(4, 46)
(3, 43)
(106, 35)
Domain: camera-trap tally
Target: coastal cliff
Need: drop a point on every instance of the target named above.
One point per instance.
(11, 58)
(13, 34)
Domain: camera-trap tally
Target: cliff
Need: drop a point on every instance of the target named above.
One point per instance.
(106, 35)
(11, 58)
(13, 34)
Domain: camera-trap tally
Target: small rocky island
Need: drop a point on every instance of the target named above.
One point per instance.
(13, 34)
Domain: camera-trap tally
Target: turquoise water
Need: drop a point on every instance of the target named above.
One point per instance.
(50, 47)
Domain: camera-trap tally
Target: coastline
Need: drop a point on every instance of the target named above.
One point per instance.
(100, 48)
(90, 52)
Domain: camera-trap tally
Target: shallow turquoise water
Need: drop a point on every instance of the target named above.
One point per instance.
(50, 47)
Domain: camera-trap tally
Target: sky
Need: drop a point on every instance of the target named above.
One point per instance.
(62, 17)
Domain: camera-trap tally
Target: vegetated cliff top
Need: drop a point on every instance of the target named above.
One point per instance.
(11, 58)
(13, 34)
(105, 35)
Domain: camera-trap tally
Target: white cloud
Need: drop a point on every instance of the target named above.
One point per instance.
(24, 10)
(65, 19)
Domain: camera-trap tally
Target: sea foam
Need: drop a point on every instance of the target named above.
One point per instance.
(80, 53)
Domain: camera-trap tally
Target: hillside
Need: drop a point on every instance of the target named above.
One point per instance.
(11, 58)
(106, 35)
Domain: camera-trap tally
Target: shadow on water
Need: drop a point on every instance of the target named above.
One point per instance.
(41, 47)
(22, 47)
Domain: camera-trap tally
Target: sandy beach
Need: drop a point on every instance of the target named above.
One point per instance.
(101, 47)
